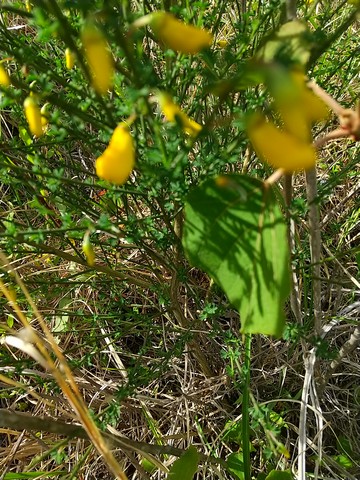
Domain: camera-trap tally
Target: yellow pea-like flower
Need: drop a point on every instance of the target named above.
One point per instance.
(69, 59)
(88, 250)
(173, 113)
(278, 147)
(28, 6)
(118, 160)
(4, 77)
(299, 106)
(99, 59)
(177, 35)
(33, 116)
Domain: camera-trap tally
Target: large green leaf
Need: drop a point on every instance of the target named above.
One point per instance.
(235, 231)
(185, 467)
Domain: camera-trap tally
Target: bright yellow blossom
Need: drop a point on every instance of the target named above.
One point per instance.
(173, 113)
(118, 160)
(99, 59)
(299, 106)
(33, 116)
(4, 77)
(177, 35)
(289, 148)
(280, 148)
(69, 59)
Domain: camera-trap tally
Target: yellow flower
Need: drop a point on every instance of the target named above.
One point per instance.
(118, 160)
(289, 148)
(99, 59)
(280, 148)
(177, 35)
(33, 116)
(173, 113)
(298, 106)
(69, 59)
(4, 77)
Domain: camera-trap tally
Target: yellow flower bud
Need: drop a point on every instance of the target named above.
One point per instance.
(4, 77)
(28, 6)
(278, 147)
(69, 59)
(99, 59)
(173, 113)
(44, 115)
(33, 92)
(88, 250)
(118, 160)
(222, 43)
(33, 116)
(177, 35)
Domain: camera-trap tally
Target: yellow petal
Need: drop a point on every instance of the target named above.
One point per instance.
(118, 160)
(278, 147)
(99, 59)
(33, 116)
(69, 59)
(174, 113)
(4, 77)
(298, 106)
(168, 107)
(190, 126)
(315, 109)
(121, 139)
(296, 122)
(222, 43)
(177, 35)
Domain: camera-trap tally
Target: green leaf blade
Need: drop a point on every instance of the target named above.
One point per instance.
(235, 231)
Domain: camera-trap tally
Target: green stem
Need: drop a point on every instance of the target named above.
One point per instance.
(245, 409)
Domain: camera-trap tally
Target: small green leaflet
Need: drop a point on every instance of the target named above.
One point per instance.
(235, 231)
